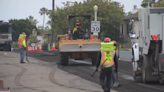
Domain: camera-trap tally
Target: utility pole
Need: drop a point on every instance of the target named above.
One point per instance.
(53, 34)
(95, 11)
(53, 3)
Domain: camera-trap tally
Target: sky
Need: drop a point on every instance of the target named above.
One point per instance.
(21, 9)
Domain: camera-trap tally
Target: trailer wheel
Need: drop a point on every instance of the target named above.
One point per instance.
(93, 59)
(64, 59)
(161, 82)
(136, 78)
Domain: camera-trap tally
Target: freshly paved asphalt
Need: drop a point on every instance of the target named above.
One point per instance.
(84, 69)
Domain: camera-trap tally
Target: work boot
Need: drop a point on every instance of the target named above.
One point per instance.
(22, 62)
(106, 90)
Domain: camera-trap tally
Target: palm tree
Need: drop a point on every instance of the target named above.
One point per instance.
(32, 20)
(43, 11)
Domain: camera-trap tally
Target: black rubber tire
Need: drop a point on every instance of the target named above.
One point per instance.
(9, 49)
(136, 78)
(64, 59)
(161, 82)
(94, 59)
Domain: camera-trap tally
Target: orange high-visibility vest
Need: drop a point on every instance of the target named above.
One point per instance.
(20, 40)
(107, 58)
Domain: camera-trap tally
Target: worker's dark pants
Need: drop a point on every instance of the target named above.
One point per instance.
(105, 78)
(76, 35)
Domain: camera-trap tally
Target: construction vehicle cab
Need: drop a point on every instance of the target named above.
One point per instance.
(84, 33)
(5, 35)
(79, 49)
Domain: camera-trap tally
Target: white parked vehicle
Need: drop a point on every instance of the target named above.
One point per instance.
(148, 53)
(5, 35)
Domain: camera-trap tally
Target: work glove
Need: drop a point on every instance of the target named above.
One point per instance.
(96, 70)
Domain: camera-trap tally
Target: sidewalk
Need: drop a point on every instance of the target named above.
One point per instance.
(39, 76)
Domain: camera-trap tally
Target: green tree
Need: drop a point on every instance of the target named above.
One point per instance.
(43, 11)
(33, 39)
(32, 20)
(129, 13)
(21, 25)
(110, 15)
(47, 28)
(160, 3)
(145, 4)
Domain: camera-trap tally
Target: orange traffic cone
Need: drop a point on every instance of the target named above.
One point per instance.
(31, 48)
(28, 48)
(40, 47)
(36, 48)
(53, 48)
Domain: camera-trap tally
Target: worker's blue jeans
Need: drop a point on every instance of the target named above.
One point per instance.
(22, 54)
(105, 78)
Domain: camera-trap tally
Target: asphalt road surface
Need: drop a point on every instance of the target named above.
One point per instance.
(84, 69)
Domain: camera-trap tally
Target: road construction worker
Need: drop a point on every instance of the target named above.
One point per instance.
(78, 32)
(22, 45)
(114, 68)
(106, 59)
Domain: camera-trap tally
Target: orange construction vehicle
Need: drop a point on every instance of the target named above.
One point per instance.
(81, 48)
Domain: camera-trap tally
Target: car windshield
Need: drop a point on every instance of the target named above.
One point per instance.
(4, 29)
(132, 32)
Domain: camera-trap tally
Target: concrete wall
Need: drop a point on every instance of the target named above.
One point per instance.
(124, 33)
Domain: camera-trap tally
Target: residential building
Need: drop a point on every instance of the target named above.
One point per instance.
(130, 24)
(41, 39)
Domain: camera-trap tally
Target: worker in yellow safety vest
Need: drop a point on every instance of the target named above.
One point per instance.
(106, 60)
(77, 31)
(22, 45)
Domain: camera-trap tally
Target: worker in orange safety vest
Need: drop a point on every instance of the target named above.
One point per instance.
(22, 41)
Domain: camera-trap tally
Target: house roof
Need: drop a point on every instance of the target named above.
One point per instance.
(131, 16)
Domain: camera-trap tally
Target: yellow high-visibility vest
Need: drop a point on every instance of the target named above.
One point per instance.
(107, 58)
(75, 29)
(107, 54)
(107, 46)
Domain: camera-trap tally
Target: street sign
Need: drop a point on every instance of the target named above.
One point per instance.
(95, 26)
